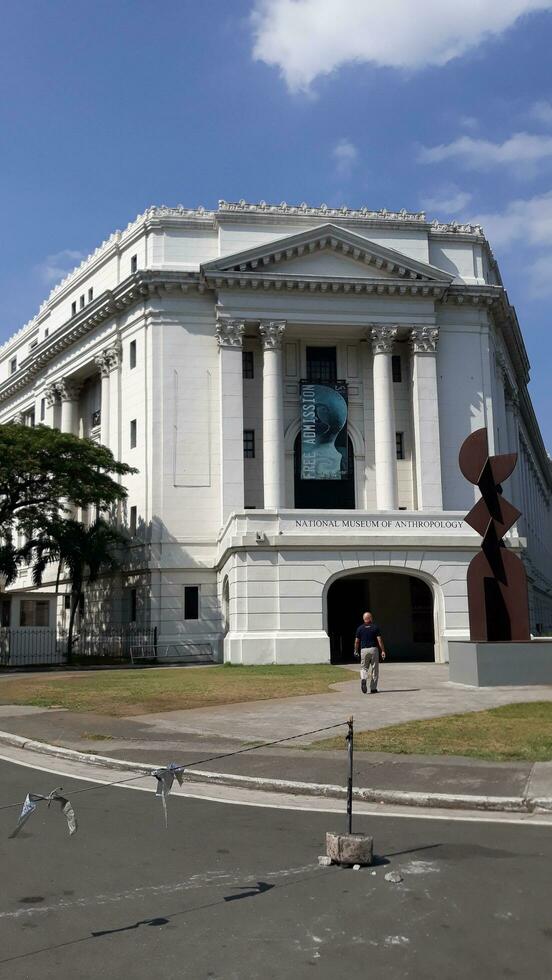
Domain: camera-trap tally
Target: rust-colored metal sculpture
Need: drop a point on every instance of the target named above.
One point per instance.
(497, 585)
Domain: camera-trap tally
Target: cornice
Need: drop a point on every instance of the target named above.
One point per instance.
(325, 284)
(153, 283)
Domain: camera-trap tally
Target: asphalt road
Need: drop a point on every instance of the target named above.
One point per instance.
(236, 893)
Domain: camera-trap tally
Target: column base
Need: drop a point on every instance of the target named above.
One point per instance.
(273, 647)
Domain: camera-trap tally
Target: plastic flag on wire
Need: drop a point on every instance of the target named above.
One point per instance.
(165, 778)
(32, 801)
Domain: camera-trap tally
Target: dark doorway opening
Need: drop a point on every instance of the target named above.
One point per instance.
(324, 494)
(402, 606)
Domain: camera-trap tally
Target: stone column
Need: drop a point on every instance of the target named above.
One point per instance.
(425, 404)
(69, 394)
(512, 428)
(384, 419)
(272, 332)
(108, 362)
(501, 421)
(50, 394)
(113, 356)
(230, 341)
(101, 361)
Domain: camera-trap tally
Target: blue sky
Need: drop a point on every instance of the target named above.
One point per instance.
(108, 107)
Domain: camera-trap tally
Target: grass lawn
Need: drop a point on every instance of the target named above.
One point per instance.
(135, 692)
(521, 732)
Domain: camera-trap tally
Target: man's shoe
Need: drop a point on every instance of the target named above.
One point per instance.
(363, 687)
(374, 690)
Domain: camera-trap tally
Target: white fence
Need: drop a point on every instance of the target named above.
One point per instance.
(27, 645)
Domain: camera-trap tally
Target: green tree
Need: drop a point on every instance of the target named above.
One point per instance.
(42, 472)
(85, 552)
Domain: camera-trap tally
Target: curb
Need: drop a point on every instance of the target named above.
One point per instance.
(508, 804)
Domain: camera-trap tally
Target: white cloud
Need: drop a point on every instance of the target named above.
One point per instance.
(345, 155)
(540, 276)
(469, 122)
(308, 38)
(57, 266)
(526, 225)
(522, 152)
(524, 221)
(450, 200)
(541, 112)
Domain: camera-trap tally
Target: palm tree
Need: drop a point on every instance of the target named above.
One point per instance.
(84, 551)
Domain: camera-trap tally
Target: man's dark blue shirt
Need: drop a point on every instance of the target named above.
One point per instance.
(368, 635)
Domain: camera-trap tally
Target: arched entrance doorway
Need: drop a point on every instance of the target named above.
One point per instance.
(324, 494)
(402, 605)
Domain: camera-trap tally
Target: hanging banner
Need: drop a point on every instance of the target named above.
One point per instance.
(324, 451)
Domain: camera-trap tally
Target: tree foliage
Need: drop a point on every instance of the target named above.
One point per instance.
(43, 469)
(84, 553)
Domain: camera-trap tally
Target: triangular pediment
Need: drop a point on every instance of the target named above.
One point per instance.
(326, 253)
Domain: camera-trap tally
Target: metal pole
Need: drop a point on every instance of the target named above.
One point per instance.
(349, 739)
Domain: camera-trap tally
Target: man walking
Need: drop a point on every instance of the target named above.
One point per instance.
(369, 644)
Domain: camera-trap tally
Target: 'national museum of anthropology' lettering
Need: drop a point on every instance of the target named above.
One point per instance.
(293, 385)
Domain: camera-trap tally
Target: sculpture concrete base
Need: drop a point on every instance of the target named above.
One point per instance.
(500, 664)
(350, 849)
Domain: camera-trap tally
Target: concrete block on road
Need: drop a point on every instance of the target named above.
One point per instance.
(350, 849)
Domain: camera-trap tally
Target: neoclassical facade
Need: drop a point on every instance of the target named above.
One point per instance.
(191, 343)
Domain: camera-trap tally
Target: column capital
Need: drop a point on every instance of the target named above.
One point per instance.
(19, 418)
(229, 332)
(50, 394)
(68, 390)
(513, 398)
(108, 359)
(272, 333)
(383, 338)
(423, 340)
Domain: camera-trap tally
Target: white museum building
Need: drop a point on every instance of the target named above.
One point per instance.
(293, 385)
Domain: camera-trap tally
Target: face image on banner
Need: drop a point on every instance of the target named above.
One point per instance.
(324, 454)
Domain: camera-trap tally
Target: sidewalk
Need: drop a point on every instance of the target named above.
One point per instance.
(408, 692)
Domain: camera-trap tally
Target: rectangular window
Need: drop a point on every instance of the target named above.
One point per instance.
(191, 602)
(134, 263)
(30, 418)
(132, 353)
(396, 367)
(133, 520)
(33, 344)
(249, 443)
(321, 364)
(81, 301)
(399, 443)
(46, 332)
(90, 294)
(248, 368)
(133, 606)
(13, 365)
(42, 409)
(67, 601)
(34, 612)
(133, 434)
(73, 308)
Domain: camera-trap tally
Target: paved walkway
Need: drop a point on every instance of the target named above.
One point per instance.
(407, 692)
